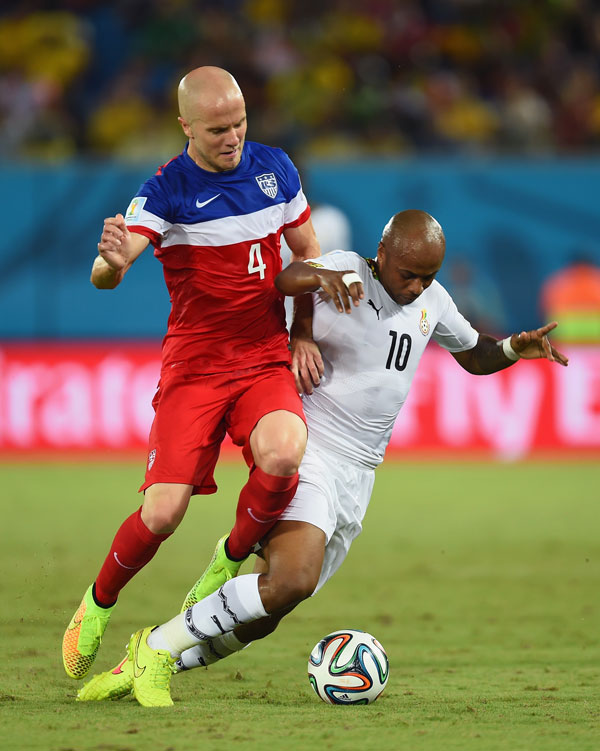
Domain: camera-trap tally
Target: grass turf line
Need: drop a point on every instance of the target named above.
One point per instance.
(481, 581)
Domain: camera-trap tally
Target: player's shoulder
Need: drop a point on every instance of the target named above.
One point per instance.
(437, 291)
(166, 176)
(269, 158)
(161, 193)
(345, 258)
(175, 165)
(272, 153)
(437, 297)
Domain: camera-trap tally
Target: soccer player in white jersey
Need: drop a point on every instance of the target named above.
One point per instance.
(372, 321)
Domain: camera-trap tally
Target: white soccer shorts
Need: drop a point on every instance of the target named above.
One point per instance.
(333, 496)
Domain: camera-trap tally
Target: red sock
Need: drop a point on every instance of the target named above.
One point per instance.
(262, 501)
(133, 547)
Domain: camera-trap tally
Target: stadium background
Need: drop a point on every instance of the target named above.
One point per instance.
(487, 115)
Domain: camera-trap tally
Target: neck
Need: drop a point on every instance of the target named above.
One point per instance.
(195, 157)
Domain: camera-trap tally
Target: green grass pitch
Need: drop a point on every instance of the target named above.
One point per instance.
(481, 580)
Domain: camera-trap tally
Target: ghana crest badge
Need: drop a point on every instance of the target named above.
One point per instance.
(424, 323)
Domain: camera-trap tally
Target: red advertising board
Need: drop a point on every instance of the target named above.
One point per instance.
(69, 397)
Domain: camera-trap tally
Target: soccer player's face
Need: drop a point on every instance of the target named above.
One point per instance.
(406, 274)
(217, 135)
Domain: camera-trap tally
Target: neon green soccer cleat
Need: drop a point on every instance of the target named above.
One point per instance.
(152, 670)
(113, 684)
(219, 570)
(83, 636)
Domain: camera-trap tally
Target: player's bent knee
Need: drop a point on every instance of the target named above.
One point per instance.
(262, 627)
(280, 465)
(301, 588)
(161, 520)
(164, 508)
(278, 443)
(282, 458)
(285, 592)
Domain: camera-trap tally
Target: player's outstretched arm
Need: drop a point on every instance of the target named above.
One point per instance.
(491, 355)
(117, 250)
(298, 278)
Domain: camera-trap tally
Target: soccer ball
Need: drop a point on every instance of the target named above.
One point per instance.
(348, 667)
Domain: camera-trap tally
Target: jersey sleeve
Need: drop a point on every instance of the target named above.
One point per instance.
(453, 332)
(149, 211)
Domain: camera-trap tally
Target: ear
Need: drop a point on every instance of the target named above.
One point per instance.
(380, 252)
(186, 127)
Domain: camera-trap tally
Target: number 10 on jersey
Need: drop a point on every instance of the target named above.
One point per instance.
(400, 346)
(255, 261)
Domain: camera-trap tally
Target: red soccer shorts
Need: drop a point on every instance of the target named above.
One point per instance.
(194, 412)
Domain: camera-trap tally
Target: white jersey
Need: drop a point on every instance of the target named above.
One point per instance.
(370, 358)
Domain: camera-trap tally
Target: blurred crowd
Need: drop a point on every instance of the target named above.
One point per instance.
(334, 79)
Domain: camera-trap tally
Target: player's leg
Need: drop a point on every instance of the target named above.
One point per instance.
(292, 552)
(213, 650)
(154, 652)
(117, 682)
(135, 544)
(269, 490)
(300, 564)
(329, 506)
(184, 443)
(332, 497)
(277, 443)
(294, 556)
(140, 536)
(267, 420)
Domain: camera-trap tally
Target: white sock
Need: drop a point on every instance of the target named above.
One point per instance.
(210, 651)
(237, 601)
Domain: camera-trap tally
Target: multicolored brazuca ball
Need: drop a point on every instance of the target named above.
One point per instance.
(348, 667)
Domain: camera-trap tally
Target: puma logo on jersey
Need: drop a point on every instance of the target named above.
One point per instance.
(372, 304)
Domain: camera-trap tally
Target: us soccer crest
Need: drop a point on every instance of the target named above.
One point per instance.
(268, 184)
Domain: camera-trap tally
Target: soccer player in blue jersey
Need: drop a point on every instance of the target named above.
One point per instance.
(215, 215)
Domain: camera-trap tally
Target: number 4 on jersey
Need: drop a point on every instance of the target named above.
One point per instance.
(255, 261)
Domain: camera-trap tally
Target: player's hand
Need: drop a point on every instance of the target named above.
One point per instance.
(307, 364)
(114, 245)
(331, 282)
(533, 345)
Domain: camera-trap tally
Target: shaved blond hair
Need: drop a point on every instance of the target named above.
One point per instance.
(205, 88)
